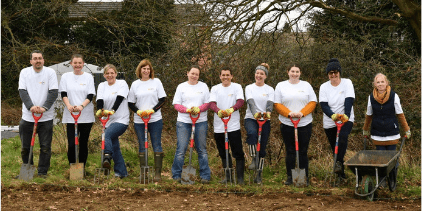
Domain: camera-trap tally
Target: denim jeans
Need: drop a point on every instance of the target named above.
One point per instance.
(45, 136)
(303, 135)
(84, 129)
(154, 130)
(112, 146)
(183, 131)
(251, 127)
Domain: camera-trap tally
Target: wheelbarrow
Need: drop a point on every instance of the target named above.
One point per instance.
(373, 167)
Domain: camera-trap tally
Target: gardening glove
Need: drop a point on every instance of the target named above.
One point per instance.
(195, 110)
(150, 112)
(99, 113)
(140, 113)
(257, 115)
(188, 110)
(222, 113)
(229, 111)
(107, 112)
(334, 117)
(408, 134)
(366, 133)
(267, 115)
(343, 118)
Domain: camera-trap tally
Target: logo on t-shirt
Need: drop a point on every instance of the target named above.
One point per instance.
(113, 93)
(341, 92)
(150, 89)
(200, 93)
(230, 95)
(41, 82)
(82, 84)
(300, 91)
(265, 95)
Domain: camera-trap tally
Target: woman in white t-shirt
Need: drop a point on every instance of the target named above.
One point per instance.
(225, 100)
(191, 97)
(146, 97)
(112, 101)
(259, 98)
(77, 90)
(336, 98)
(296, 99)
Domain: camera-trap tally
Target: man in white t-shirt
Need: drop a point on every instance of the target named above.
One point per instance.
(38, 90)
(225, 100)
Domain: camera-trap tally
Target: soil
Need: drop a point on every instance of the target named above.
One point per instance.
(49, 197)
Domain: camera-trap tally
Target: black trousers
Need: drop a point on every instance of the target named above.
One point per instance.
(342, 142)
(304, 135)
(235, 144)
(84, 129)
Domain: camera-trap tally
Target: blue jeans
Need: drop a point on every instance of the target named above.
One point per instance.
(45, 136)
(112, 147)
(183, 131)
(251, 126)
(154, 130)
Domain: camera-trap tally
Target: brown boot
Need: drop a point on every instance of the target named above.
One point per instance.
(158, 160)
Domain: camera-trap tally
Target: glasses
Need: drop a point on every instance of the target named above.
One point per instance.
(332, 72)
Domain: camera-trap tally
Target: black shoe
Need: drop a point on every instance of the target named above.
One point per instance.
(338, 167)
(289, 180)
(44, 176)
(107, 161)
(178, 180)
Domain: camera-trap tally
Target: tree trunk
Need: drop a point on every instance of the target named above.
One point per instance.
(412, 12)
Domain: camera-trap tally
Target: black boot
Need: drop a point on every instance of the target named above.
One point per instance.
(227, 173)
(240, 168)
(158, 161)
(289, 180)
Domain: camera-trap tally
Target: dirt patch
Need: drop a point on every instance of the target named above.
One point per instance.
(49, 197)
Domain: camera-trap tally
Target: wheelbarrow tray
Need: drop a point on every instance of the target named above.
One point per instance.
(367, 161)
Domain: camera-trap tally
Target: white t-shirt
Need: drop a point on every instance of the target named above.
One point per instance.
(191, 95)
(335, 96)
(145, 95)
(295, 97)
(109, 94)
(398, 109)
(260, 94)
(77, 88)
(226, 97)
(37, 85)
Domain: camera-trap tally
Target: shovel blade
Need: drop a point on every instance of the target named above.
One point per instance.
(299, 177)
(76, 171)
(188, 175)
(27, 172)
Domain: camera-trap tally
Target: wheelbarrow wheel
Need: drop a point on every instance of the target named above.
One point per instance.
(392, 180)
(366, 186)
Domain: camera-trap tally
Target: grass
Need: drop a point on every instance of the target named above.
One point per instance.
(320, 164)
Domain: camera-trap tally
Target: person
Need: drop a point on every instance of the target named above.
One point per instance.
(38, 90)
(146, 97)
(112, 102)
(260, 99)
(191, 98)
(295, 99)
(226, 99)
(384, 113)
(336, 98)
(77, 90)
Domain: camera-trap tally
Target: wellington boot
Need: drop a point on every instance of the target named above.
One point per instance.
(240, 168)
(158, 161)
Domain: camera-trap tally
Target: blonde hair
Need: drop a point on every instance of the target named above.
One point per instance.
(142, 64)
(378, 75)
(109, 66)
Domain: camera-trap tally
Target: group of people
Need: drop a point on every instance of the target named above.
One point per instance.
(291, 99)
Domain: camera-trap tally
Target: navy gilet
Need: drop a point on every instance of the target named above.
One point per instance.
(384, 119)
